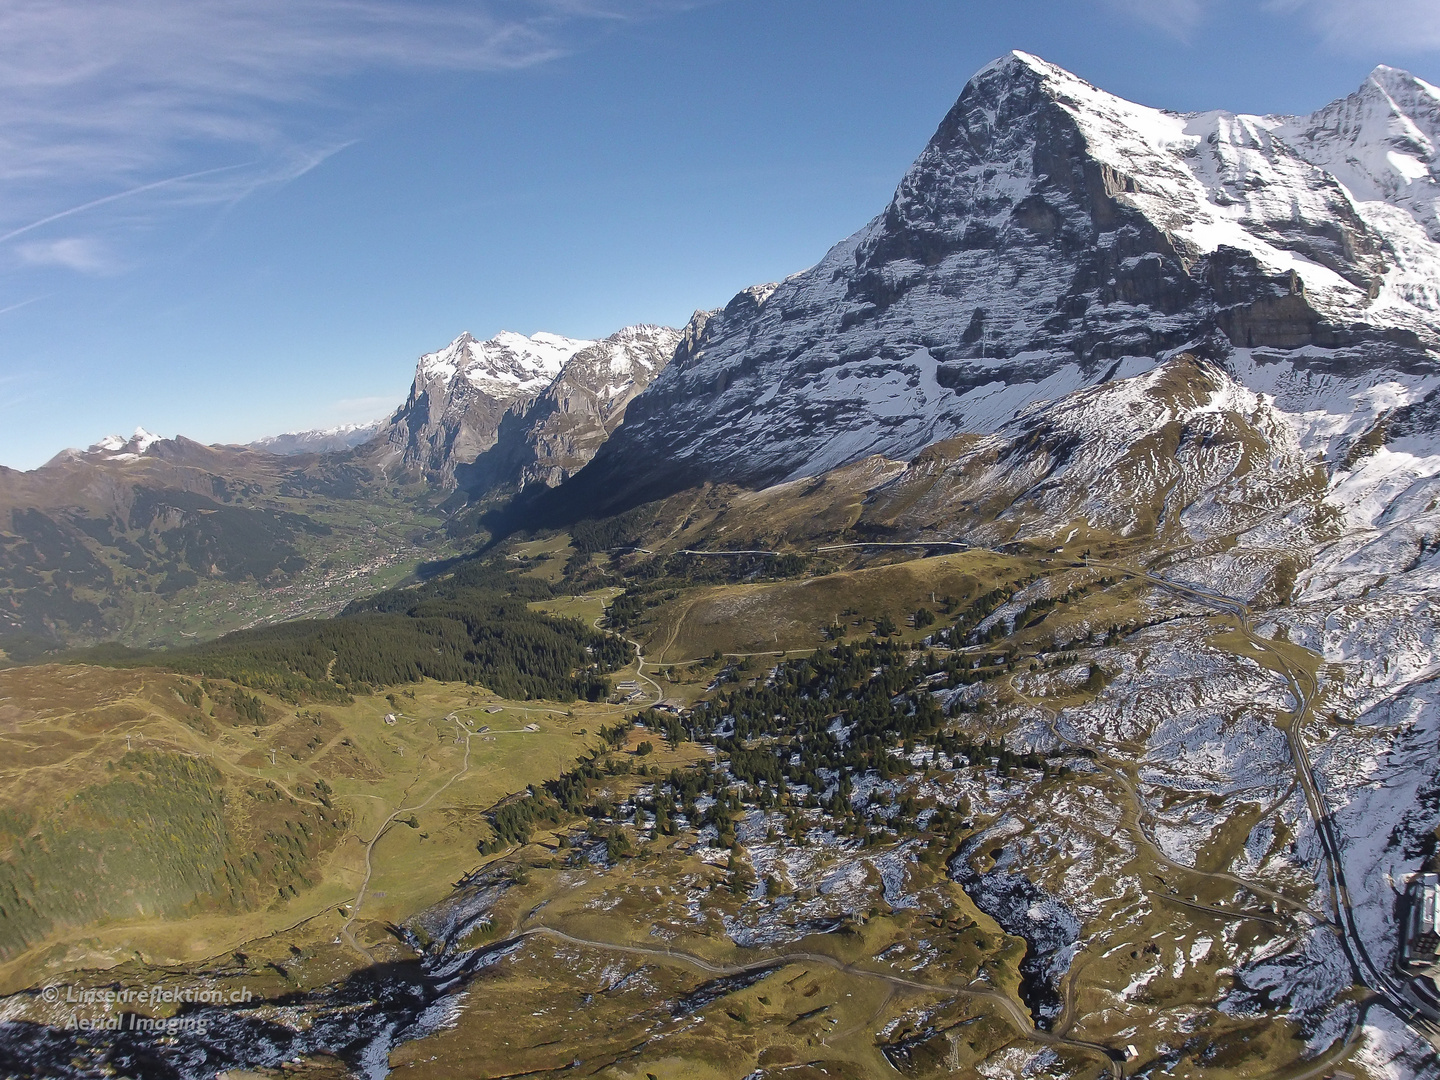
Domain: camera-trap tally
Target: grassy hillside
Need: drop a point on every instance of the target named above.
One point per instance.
(143, 812)
(853, 836)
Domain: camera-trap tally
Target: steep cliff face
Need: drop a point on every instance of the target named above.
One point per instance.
(459, 397)
(557, 435)
(1050, 237)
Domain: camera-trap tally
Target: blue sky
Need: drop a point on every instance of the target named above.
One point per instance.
(230, 218)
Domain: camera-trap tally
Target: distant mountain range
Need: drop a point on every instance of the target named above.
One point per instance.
(113, 539)
(1051, 245)
(319, 441)
(532, 409)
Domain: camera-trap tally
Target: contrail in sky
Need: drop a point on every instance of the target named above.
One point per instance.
(17, 307)
(112, 198)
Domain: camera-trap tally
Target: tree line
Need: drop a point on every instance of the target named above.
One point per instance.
(472, 626)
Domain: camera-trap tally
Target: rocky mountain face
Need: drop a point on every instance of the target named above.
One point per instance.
(1050, 237)
(460, 395)
(1380, 143)
(552, 438)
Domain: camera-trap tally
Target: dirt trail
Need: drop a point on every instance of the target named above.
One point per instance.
(639, 659)
(1016, 1016)
(345, 933)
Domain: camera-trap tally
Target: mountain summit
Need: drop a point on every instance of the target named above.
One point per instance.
(548, 441)
(119, 448)
(1052, 236)
(1380, 142)
(515, 410)
(460, 394)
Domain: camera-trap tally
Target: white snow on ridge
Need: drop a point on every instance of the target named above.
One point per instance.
(319, 440)
(119, 448)
(1218, 178)
(954, 311)
(625, 360)
(507, 365)
(1382, 142)
(462, 393)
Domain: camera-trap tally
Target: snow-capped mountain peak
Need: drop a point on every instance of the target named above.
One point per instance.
(1382, 142)
(507, 364)
(119, 448)
(1204, 180)
(552, 437)
(461, 393)
(1052, 236)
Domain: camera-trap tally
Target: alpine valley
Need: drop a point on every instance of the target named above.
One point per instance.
(1007, 648)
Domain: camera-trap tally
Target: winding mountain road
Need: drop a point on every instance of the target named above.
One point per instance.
(1141, 818)
(1396, 996)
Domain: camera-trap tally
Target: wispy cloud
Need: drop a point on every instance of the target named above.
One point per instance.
(1398, 26)
(16, 307)
(1177, 18)
(359, 410)
(159, 102)
(83, 254)
(92, 204)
